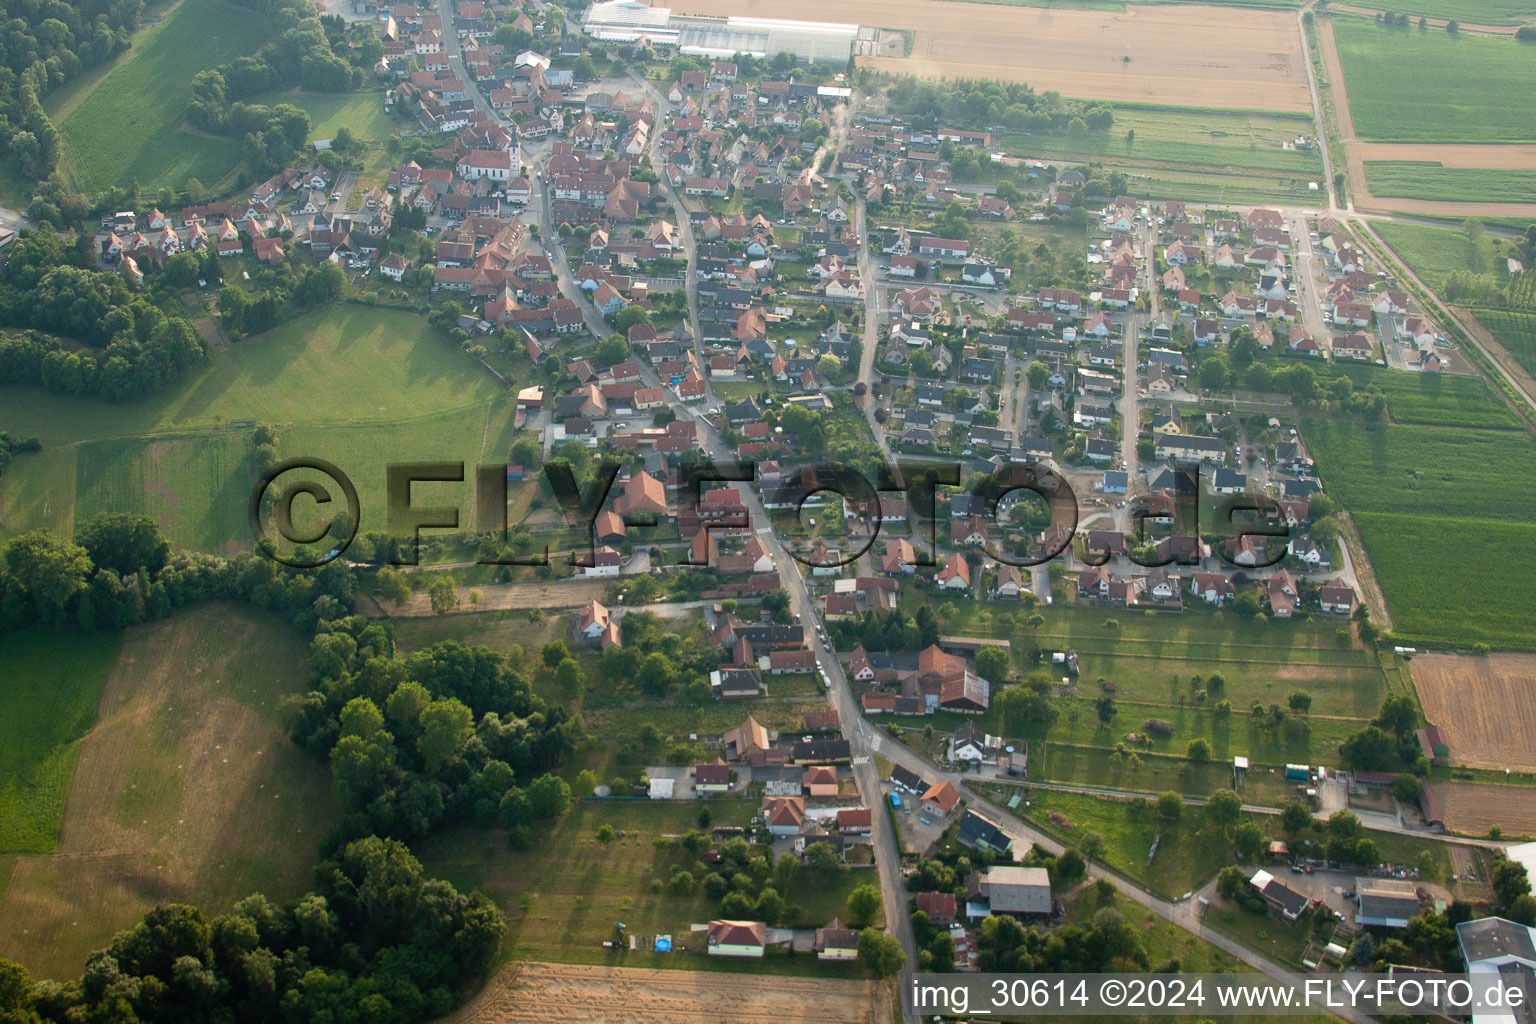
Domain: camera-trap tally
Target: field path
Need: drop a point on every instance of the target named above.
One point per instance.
(1365, 573)
(538, 993)
(1505, 157)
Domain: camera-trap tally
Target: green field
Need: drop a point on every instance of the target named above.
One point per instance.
(1515, 331)
(358, 387)
(1446, 517)
(1154, 661)
(1434, 399)
(1425, 180)
(1435, 253)
(128, 126)
(47, 705)
(1464, 88)
(563, 898)
(360, 112)
(1191, 153)
(182, 776)
(1483, 12)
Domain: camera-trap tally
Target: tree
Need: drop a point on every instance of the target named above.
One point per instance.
(124, 543)
(1104, 707)
(1037, 374)
(1370, 749)
(48, 569)
(1170, 806)
(1231, 883)
(1248, 840)
(1509, 880)
(1294, 816)
(605, 834)
(1093, 845)
(1300, 702)
(554, 652)
(1199, 749)
(863, 905)
(549, 796)
(1223, 808)
(1407, 787)
(1398, 715)
(880, 953)
(446, 726)
(442, 595)
(1070, 866)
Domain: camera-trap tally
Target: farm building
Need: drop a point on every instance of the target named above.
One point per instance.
(627, 21)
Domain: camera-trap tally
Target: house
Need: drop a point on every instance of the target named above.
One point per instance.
(593, 621)
(944, 248)
(939, 906)
(956, 573)
(978, 832)
(747, 738)
(784, 815)
(1189, 447)
(905, 778)
(712, 778)
(837, 942)
(820, 780)
(1212, 587)
(1385, 902)
(1277, 894)
(1016, 890)
(1282, 594)
(940, 798)
(1309, 552)
(1336, 598)
(737, 938)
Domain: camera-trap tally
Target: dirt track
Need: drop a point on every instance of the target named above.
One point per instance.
(499, 597)
(1484, 704)
(1190, 55)
(1505, 157)
(559, 993)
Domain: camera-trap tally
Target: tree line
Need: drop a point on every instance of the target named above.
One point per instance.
(318, 54)
(375, 941)
(131, 347)
(42, 46)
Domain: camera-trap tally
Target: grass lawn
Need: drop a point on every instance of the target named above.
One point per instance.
(127, 127)
(48, 707)
(1269, 934)
(1426, 180)
(1465, 88)
(1162, 940)
(1434, 253)
(1174, 135)
(563, 898)
(359, 387)
(180, 787)
(1154, 662)
(361, 112)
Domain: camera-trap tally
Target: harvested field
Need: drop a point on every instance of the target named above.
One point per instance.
(1177, 55)
(187, 789)
(1512, 157)
(1472, 809)
(536, 993)
(1485, 705)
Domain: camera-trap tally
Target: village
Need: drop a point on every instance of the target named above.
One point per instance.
(712, 262)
